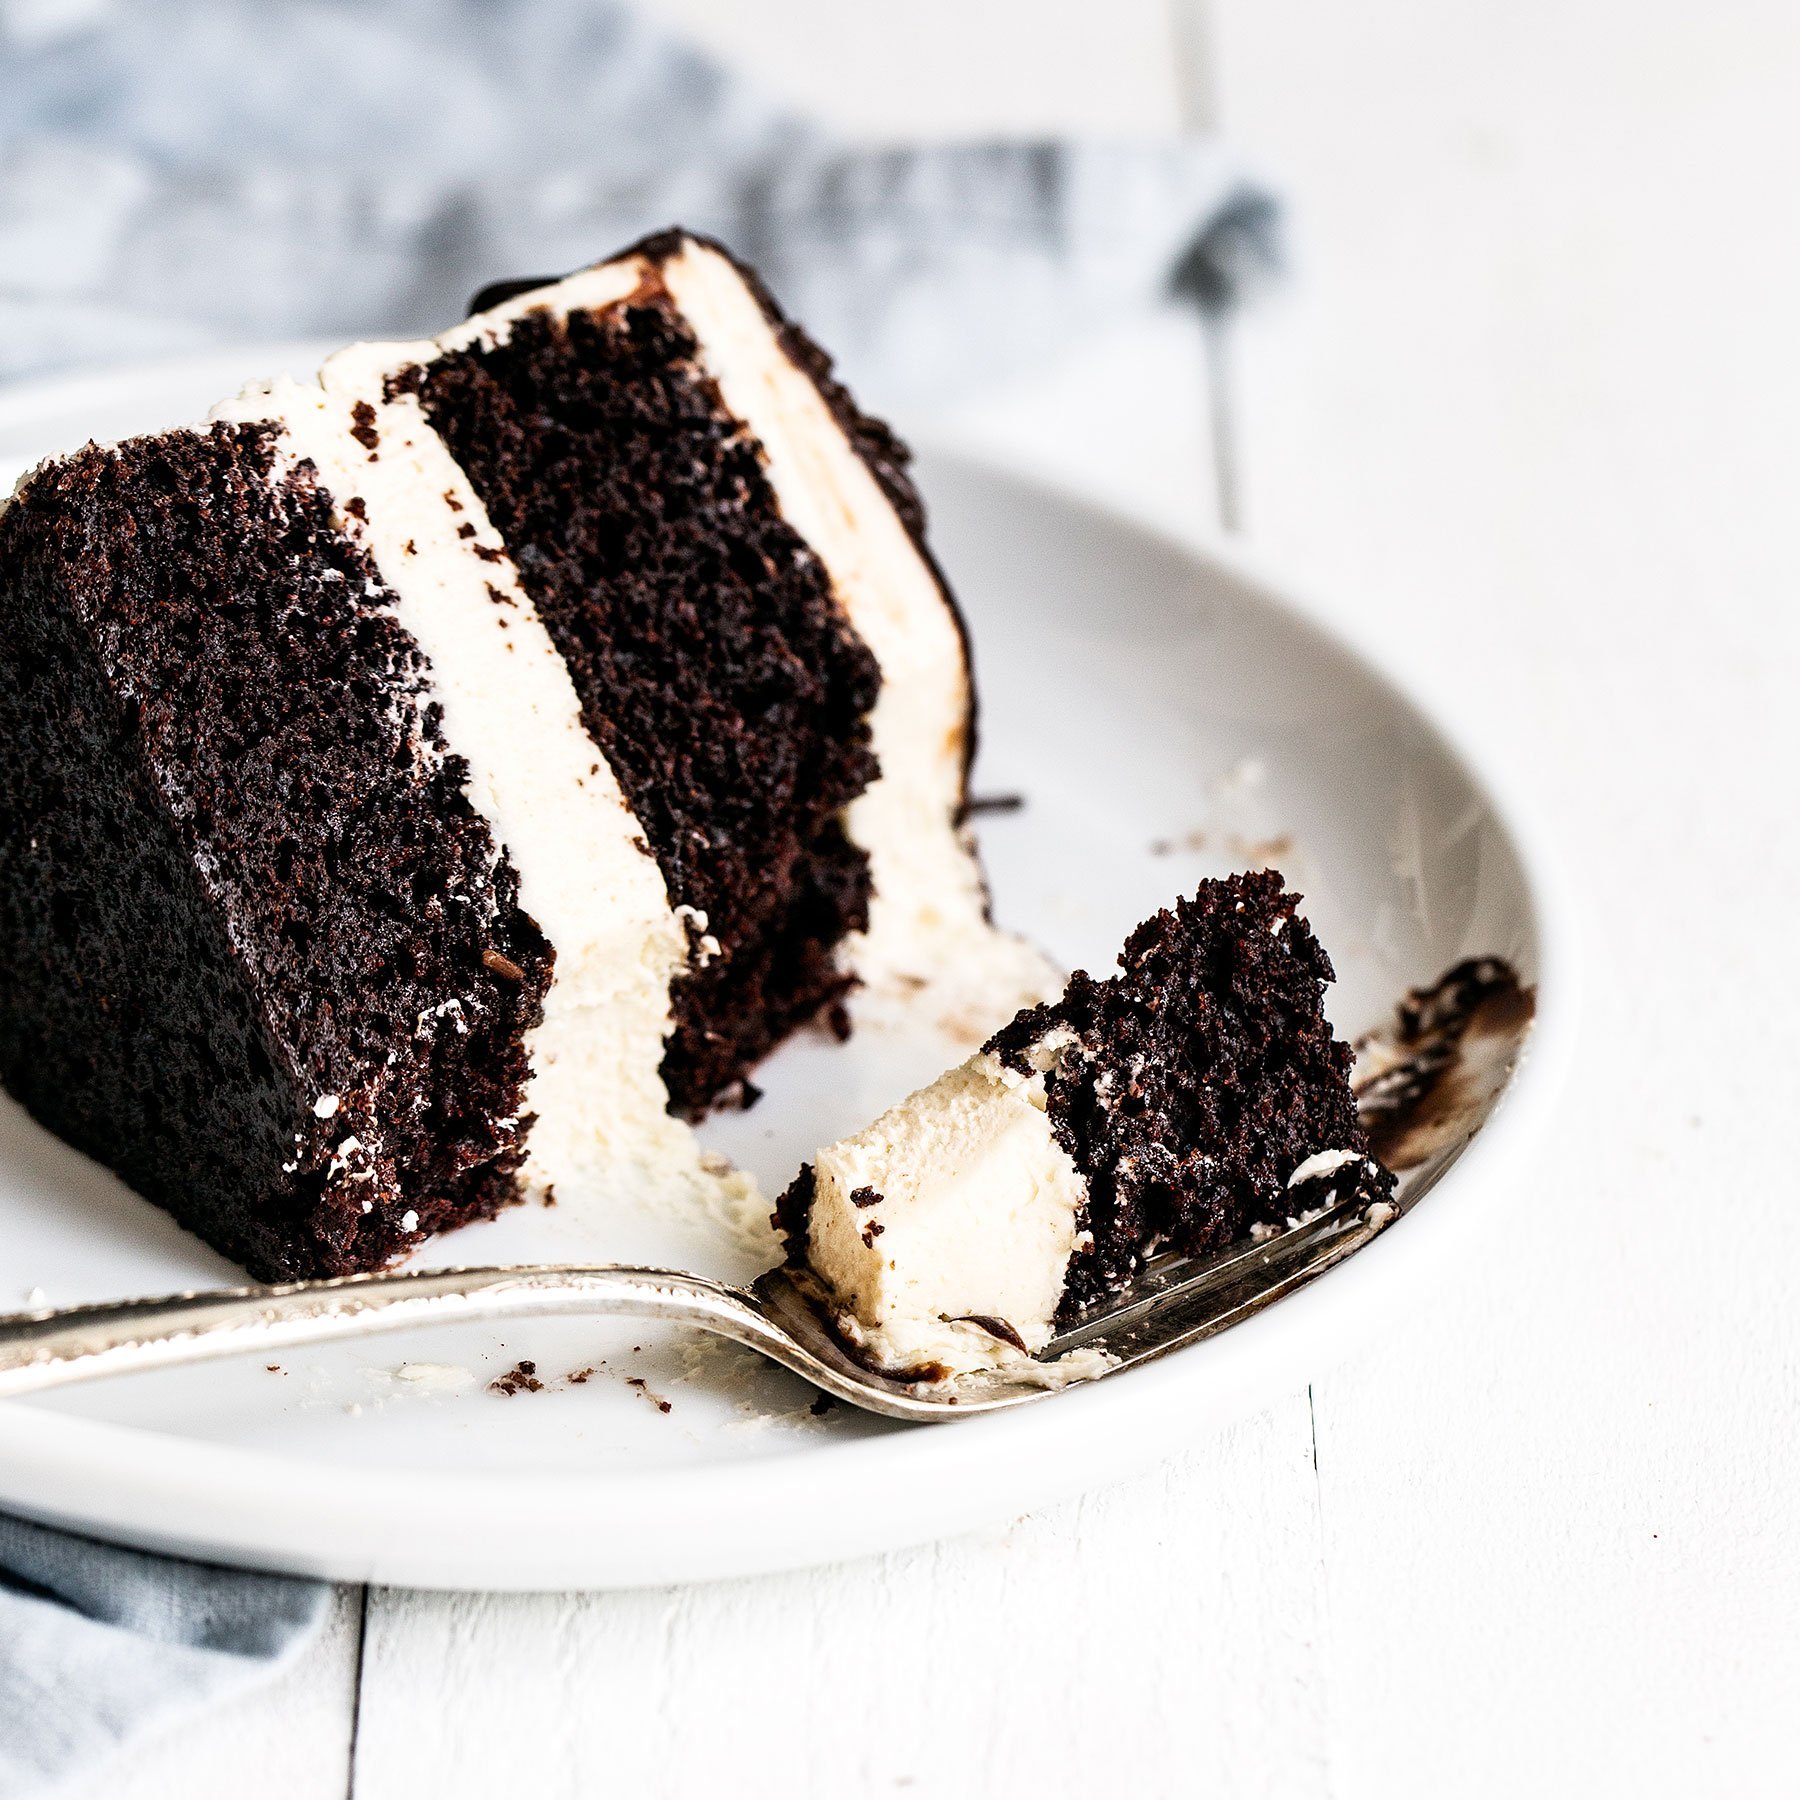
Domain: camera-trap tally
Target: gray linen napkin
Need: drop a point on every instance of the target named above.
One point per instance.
(97, 1641)
(178, 173)
(175, 173)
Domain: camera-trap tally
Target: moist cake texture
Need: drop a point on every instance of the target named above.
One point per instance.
(218, 1008)
(1193, 1096)
(424, 783)
(712, 662)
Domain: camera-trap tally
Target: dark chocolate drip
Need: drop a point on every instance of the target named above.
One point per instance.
(1450, 1046)
(497, 293)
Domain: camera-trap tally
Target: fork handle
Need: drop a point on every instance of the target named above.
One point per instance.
(80, 1343)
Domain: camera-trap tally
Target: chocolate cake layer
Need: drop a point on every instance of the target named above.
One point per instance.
(1198, 1079)
(263, 957)
(715, 670)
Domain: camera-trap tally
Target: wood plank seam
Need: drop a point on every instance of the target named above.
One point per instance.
(356, 1691)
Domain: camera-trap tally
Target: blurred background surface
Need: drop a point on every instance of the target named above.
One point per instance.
(947, 69)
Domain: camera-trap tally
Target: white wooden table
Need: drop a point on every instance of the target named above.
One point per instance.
(1530, 400)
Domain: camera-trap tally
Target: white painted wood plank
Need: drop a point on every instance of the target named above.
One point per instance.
(1168, 1623)
(1528, 409)
(954, 68)
(287, 1741)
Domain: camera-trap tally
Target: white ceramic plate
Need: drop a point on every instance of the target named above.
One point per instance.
(1167, 714)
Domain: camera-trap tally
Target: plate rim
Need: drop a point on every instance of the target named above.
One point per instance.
(263, 1509)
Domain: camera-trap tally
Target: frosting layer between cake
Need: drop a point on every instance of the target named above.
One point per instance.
(715, 668)
(594, 1097)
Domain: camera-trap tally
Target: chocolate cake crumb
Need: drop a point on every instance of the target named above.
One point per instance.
(993, 803)
(362, 427)
(870, 1232)
(643, 1387)
(793, 1211)
(865, 1196)
(521, 1378)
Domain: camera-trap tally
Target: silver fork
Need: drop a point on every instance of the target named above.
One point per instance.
(1175, 1302)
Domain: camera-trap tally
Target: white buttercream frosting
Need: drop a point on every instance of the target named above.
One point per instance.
(1323, 1162)
(978, 1215)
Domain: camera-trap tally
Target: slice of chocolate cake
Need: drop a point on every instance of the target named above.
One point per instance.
(441, 779)
(1195, 1096)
